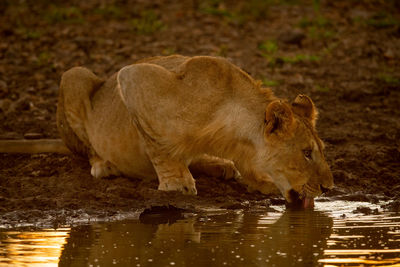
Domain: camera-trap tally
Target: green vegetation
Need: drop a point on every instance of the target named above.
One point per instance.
(168, 51)
(389, 79)
(110, 11)
(322, 89)
(218, 8)
(269, 83)
(318, 27)
(316, 5)
(328, 49)
(28, 34)
(147, 23)
(319, 22)
(301, 58)
(223, 50)
(379, 20)
(43, 59)
(269, 50)
(58, 14)
(242, 11)
(382, 20)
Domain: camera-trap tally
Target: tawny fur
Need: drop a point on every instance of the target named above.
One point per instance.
(156, 117)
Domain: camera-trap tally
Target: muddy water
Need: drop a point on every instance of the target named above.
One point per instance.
(331, 235)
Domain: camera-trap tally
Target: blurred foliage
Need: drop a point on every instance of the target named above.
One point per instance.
(223, 50)
(28, 34)
(301, 58)
(168, 51)
(322, 89)
(379, 20)
(318, 27)
(269, 49)
(269, 83)
(43, 60)
(59, 14)
(239, 12)
(110, 11)
(382, 20)
(147, 23)
(389, 79)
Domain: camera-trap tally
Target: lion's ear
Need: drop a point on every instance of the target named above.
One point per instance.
(278, 118)
(304, 107)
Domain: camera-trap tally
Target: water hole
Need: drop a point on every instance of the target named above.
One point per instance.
(330, 235)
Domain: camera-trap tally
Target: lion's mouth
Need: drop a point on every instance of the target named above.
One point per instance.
(300, 200)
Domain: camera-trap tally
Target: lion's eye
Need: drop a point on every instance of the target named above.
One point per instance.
(307, 154)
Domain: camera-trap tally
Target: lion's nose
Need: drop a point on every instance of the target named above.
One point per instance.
(324, 189)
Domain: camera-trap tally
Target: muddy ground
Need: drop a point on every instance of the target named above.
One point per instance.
(344, 54)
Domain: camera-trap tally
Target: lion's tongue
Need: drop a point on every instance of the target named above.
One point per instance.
(308, 202)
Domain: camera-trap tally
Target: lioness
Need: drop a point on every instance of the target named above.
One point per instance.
(162, 114)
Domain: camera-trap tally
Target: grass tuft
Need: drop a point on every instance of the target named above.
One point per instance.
(148, 22)
(301, 58)
(58, 14)
(110, 11)
(269, 83)
(382, 20)
(389, 79)
(318, 27)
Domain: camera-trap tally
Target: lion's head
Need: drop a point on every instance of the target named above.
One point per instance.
(294, 158)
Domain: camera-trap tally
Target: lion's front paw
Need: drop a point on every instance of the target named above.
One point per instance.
(178, 184)
(101, 169)
(215, 167)
(229, 171)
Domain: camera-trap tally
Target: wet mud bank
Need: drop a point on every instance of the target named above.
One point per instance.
(54, 190)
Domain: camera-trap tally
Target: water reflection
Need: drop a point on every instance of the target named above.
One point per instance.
(234, 239)
(33, 248)
(231, 238)
(364, 240)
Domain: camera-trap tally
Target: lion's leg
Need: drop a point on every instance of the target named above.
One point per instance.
(214, 167)
(102, 168)
(173, 175)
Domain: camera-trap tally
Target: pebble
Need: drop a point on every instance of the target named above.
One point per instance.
(33, 136)
(292, 37)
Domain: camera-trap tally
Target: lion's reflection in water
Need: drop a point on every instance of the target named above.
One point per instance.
(228, 238)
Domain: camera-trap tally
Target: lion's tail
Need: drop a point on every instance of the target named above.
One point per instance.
(33, 146)
(76, 88)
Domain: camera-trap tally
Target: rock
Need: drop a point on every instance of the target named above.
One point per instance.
(389, 54)
(294, 37)
(352, 95)
(393, 206)
(366, 210)
(33, 135)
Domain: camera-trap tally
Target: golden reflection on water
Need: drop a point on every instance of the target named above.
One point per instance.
(28, 248)
(363, 240)
(234, 238)
(391, 262)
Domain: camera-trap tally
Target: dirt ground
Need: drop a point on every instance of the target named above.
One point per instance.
(344, 54)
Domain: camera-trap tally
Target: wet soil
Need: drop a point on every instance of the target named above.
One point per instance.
(343, 54)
